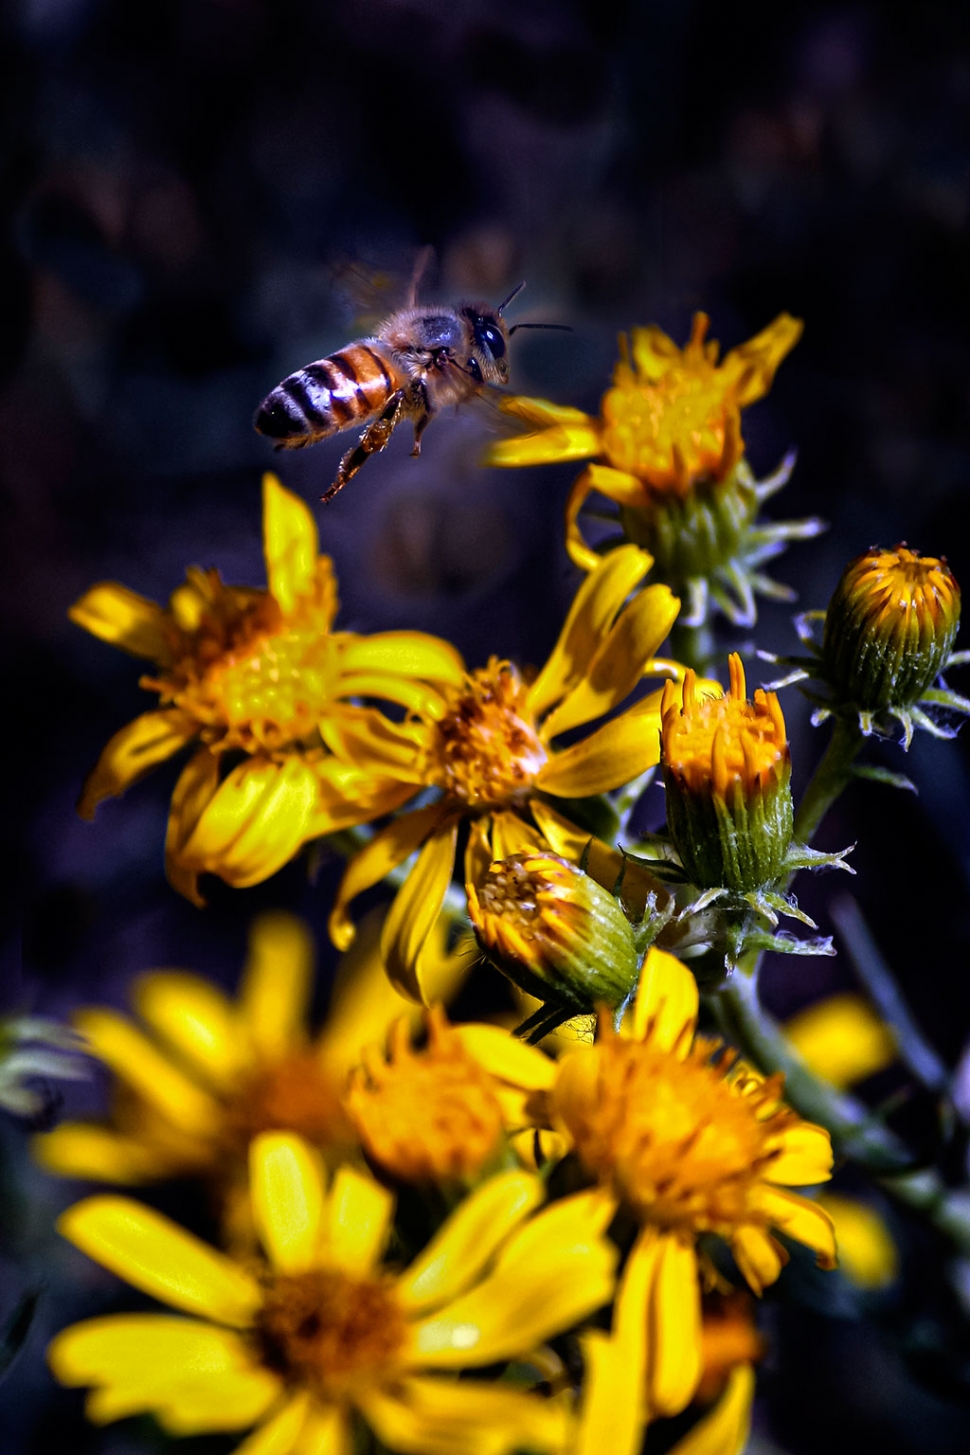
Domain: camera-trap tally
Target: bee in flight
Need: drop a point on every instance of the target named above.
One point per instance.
(417, 361)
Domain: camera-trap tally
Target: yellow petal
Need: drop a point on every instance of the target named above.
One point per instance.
(376, 859)
(866, 1251)
(357, 1222)
(416, 908)
(590, 617)
(155, 1255)
(441, 1417)
(752, 365)
(619, 660)
(255, 822)
(143, 1350)
(278, 1435)
(842, 1039)
(405, 654)
(123, 618)
(612, 1417)
(230, 1401)
(418, 697)
(286, 1186)
(195, 1018)
(666, 1004)
(725, 1430)
(512, 835)
(134, 751)
(506, 1058)
(469, 1239)
(277, 983)
(562, 1229)
(326, 1431)
(96, 1153)
(290, 544)
(802, 1220)
(615, 754)
(363, 736)
(759, 1256)
(140, 1064)
(197, 783)
(519, 1306)
(570, 435)
(804, 1157)
(674, 1320)
(350, 795)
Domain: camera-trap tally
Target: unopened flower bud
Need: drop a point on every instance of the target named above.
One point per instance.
(554, 931)
(889, 627)
(727, 771)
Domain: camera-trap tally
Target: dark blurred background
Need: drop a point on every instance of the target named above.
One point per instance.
(188, 192)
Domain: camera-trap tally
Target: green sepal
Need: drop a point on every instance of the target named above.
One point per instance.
(800, 856)
(874, 774)
(785, 944)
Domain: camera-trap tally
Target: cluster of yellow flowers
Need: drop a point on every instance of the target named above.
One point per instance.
(436, 1233)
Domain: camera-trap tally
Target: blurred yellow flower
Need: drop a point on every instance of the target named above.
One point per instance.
(866, 1251)
(428, 1114)
(256, 674)
(487, 746)
(842, 1039)
(207, 1073)
(690, 1142)
(325, 1333)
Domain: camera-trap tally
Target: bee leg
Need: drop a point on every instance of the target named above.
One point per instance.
(421, 411)
(372, 441)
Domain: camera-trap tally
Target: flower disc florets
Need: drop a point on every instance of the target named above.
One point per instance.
(245, 674)
(554, 931)
(681, 1140)
(485, 748)
(328, 1330)
(890, 626)
(727, 770)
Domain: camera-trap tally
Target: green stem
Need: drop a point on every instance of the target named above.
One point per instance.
(832, 775)
(692, 645)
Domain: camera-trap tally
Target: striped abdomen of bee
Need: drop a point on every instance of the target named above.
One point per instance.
(350, 387)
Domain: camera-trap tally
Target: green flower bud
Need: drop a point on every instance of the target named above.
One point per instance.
(554, 931)
(890, 627)
(727, 772)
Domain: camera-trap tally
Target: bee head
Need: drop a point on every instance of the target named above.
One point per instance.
(491, 336)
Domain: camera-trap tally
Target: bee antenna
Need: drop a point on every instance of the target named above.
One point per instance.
(565, 327)
(515, 291)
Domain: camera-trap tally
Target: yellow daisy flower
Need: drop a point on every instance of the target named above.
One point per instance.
(203, 1074)
(257, 675)
(324, 1332)
(688, 1142)
(487, 745)
(667, 448)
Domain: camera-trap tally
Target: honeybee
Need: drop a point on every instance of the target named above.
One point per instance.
(418, 361)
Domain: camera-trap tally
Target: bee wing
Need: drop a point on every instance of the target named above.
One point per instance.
(370, 291)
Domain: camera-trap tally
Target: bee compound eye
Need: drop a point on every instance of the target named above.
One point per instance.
(474, 370)
(487, 336)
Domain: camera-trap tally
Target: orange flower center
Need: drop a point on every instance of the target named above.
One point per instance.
(430, 1115)
(680, 1142)
(250, 677)
(720, 741)
(676, 429)
(901, 581)
(294, 1095)
(328, 1330)
(485, 750)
